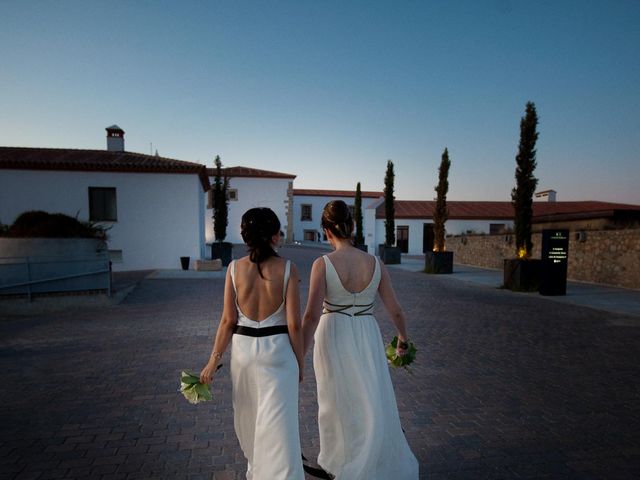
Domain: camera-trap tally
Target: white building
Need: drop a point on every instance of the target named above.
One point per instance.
(249, 188)
(308, 206)
(154, 206)
(414, 222)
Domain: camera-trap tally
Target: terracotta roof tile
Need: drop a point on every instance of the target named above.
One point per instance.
(542, 211)
(21, 158)
(249, 172)
(334, 193)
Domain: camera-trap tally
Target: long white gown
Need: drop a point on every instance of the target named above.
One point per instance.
(360, 433)
(264, 374)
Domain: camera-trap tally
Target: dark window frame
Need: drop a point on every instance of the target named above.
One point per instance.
(497, 228)
(304, 218)
(102, 213)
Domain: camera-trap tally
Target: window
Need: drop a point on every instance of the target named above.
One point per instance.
(232, 194)
(210, 199)
(310, 235)
(306, 213)
(495, 228)
(102, 204)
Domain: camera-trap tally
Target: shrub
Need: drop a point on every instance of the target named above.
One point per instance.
(36, 223)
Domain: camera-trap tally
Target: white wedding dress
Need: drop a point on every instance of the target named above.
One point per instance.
(360, 433)
(264, 374)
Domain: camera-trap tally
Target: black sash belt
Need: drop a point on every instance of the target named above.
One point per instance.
(260, 332)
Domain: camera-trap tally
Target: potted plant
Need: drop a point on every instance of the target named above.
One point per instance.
(439, 260)
(220, 249)
(522, 273)
(389, 253)
(358, 241)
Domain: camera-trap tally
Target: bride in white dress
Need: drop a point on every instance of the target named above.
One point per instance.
(360, 433)
(261, 319)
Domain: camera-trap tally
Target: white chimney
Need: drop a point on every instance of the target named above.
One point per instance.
(546, 196)
(115, 139)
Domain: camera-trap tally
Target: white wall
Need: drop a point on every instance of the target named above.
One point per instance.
(416, 229)
(318, 202)
(159, 215)
(317, 205)
(252, 192)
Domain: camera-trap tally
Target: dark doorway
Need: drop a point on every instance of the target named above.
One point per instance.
(427, 238)
(402, 239)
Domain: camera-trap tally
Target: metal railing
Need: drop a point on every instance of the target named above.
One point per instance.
(29, 275)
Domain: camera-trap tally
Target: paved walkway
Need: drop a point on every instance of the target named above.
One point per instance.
(507, 385)
(602, 297)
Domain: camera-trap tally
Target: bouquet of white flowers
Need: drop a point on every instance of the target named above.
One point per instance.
(398, 361)
(192, 389)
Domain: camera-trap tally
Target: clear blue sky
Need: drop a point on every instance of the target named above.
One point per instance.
(329, 90)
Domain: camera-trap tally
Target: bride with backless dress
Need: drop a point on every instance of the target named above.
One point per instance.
(261, 320)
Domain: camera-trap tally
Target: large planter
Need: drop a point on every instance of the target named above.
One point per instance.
(390, 255)
(223, 251)
(364, 248)
(47, 265)
(522, 275)
(438, 262)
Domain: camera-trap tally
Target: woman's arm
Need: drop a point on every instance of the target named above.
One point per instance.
(388, 296)
(292, 305)
(225, 330)
(317, 288)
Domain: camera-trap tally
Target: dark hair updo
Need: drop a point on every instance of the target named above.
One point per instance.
(258, 227)
(336, 217)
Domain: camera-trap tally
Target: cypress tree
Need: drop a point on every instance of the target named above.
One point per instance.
(441, 213)
(220, 203)
(522, 194)
(359, 239)
(389, 207)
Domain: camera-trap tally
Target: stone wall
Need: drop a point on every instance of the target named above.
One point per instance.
(609, 257)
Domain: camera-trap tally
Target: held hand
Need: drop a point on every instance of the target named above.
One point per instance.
(402, 348)
(207, 373)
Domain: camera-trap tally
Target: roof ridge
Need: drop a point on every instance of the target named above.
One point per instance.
(104, 152)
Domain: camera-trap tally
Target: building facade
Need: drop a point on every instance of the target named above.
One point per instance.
(153, 206)
(307, 211)
(249, 188)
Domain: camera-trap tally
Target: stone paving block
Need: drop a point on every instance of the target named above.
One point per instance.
(505, 386)
(53, 474)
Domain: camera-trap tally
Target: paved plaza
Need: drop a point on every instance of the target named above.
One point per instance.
(507, 385)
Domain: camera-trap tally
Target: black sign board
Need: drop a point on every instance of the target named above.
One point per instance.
(555, 255)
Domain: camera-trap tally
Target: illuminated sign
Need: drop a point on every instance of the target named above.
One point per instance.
(555, 256)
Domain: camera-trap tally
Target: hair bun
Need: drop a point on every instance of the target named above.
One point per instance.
(337, 218)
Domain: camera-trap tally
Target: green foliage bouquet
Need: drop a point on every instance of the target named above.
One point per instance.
(192, 389)
(397, 361)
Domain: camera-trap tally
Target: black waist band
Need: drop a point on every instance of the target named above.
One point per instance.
(260, 332)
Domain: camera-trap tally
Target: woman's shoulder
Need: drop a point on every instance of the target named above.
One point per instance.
(318, 264)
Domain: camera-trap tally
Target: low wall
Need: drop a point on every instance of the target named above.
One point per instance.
(609, 257)
(53, 265)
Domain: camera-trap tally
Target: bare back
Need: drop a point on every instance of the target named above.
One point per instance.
(354, 267)
(257, 297)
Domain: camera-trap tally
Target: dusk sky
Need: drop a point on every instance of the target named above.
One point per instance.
(330, 90)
